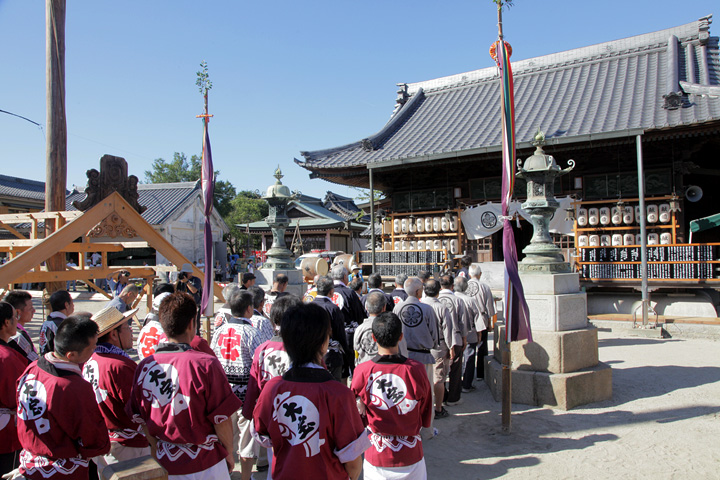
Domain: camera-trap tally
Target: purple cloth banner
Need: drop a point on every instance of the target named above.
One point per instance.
(208, 191)
(517, 314)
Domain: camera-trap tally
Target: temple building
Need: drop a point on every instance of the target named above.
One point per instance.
(648, 103)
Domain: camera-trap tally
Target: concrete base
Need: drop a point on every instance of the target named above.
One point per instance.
(552, 352)
(559, 390)
(555, 284)
(265, 278)
(555, 313)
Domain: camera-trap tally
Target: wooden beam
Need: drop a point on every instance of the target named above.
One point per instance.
(12, 230)
(98, 289)
(22, 245)
(58, 239)
(72, 274)
(29, 217)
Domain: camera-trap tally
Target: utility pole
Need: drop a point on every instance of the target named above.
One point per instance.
(56, 147)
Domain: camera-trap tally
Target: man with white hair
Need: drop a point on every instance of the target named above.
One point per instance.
(365, 347)
(420, 329)
(473, 307)
(460, 321)
(481, 291)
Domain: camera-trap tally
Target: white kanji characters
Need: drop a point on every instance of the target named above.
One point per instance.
(388, 391)
(160, 385)
(299, 421)
(91, 373)
(32, 402)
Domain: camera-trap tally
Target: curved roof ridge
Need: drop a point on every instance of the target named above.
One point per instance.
(373, 141)
(688, 31)
(155, 186)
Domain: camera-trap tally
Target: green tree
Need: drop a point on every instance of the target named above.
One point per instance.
(179, 170)
(247, 207)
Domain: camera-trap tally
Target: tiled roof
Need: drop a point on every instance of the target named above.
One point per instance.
(162, 199)
(617, 86)
(305, 224)
(21, 188)
(345, 206)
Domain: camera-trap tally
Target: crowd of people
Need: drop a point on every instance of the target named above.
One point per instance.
(327, 386)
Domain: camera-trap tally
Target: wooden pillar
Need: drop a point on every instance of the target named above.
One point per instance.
(56, 147)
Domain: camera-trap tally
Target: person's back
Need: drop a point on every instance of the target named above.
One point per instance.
(310, 420)
(396, 396)
(57, 439)
(420, 325)
(183, 397)
(61, 304)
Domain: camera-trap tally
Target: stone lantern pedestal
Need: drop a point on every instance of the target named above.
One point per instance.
(560, 368)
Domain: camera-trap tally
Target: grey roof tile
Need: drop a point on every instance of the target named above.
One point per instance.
(21, 187)
(609, 87)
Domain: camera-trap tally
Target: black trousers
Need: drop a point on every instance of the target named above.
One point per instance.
(482, 352)
(455, 376)
(469, 361)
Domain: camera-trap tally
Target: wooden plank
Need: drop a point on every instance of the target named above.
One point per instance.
(22, 245)
(72, 274)
(98, 289)
(29, 217)
(142, 468)
(12, 230)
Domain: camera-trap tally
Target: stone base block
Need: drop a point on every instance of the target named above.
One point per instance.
(554, 284)
(266, 276)
(555, 313)
(558, 390)
(142, 468)
(552, 352)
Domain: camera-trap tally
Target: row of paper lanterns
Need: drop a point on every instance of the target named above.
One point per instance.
(618, 239)
(628, 215)
(425, 224)
(437, 244)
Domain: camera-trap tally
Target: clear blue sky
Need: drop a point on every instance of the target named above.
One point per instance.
(287, 76)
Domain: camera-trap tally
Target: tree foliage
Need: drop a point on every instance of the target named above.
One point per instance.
(180, 170)
(247, 206)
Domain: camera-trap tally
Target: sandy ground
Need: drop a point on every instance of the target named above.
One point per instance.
(661, 423)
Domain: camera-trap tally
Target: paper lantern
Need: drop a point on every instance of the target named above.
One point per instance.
(638, 239)
(437, 245)
(594, 240)
(582, 241)
(605, 216)
(653, 239)
(397, 245)
(652, 213)
(454, 247)
(444, 224)
(420, 225)
(412, 245)
(665, 238)
(617, 239)
(605, 240)
(421, 245)
(582, 215)
(412, 225)
(616, 215)
(628, 216)
(436, 224)
(628, 239)
(428, 224)
(593, 216)
(396, 225)
(454, 223)
(404, 225)
(664, 213)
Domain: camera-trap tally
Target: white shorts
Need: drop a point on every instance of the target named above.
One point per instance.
(415, 471)
(244, 444)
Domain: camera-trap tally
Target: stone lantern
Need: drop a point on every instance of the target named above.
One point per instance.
(540, 172)
(277, 197)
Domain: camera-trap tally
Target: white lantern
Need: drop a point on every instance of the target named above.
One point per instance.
(396, 225)
(397, 245)
(652, 213)
(594, 240)
(653, 239)
(593, 216)
(582, 217)
(444, 224)
(617, 239)
(428, 224)
(605, 240)
(605, 216)
(412, 226)
(665, 238)
(404, 225)
(664, 213)
(421, 245)
(628, 215)
(638, 239)
(454, 247)
(405, 245)
(412, 244)
(436, 224)
(437, 245)
(420, 225)
(616, 215)
(637, 213)
(582, 241)
(628, 239)
(454, 223)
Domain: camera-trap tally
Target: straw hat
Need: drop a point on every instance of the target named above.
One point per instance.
(110, 318)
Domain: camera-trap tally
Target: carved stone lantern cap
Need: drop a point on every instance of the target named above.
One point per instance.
(278, 190)
(540, 161)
